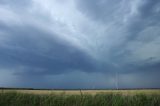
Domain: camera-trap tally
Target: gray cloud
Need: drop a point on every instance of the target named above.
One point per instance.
(45, 40)
(103, 10)
(34, 49)
(15, 3)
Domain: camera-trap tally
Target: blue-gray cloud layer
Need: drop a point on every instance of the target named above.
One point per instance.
(80, 43)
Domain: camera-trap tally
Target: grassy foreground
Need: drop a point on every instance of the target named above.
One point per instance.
(102, 99)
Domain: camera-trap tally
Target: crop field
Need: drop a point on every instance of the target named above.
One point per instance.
(80, 97)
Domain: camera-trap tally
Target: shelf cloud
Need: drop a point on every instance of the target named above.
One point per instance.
(80, 43)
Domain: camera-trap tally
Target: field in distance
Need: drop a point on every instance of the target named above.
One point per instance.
(92, 92)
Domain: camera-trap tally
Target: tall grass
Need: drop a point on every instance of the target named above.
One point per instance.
(21, 99)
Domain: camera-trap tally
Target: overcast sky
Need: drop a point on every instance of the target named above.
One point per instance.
(80, 43)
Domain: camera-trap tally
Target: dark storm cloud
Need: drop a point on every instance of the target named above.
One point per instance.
(80, 44)
(147, 16)
(28, 47)
(107, 11)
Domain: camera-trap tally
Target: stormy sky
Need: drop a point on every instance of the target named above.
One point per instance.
(80, 43)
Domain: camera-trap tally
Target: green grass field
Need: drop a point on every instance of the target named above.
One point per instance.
(77, 98)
